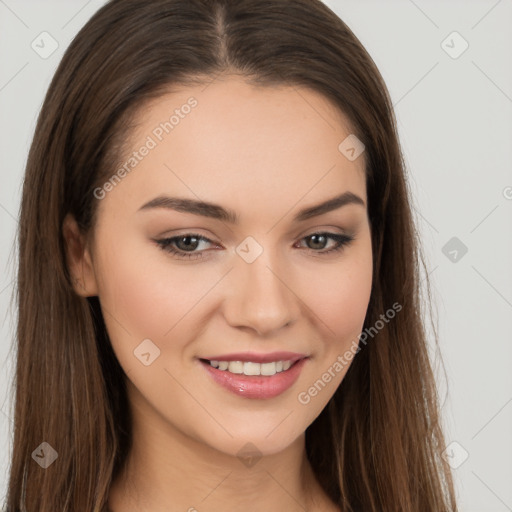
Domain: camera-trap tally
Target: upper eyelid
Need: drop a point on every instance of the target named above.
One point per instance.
(314, 231)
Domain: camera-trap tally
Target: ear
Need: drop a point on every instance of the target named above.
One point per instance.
(79, 259)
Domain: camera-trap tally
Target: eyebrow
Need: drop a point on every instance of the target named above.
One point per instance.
(216, 211)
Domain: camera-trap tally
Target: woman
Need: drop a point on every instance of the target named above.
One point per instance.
(218, 283)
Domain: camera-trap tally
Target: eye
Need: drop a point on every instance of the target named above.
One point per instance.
(185, 246)
(320, 240)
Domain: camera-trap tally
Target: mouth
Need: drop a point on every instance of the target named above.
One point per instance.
(255, 376)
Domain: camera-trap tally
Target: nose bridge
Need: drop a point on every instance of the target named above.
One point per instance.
(262, 299)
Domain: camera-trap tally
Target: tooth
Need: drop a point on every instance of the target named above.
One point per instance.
(268, 368)
(252, 368)
(279, 366)
(223, 365)
(236, 367)
(286, 365)
(215, 364)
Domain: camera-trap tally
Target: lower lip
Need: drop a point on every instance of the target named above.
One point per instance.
(256, 386)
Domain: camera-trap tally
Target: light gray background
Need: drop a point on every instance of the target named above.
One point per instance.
(455, 122)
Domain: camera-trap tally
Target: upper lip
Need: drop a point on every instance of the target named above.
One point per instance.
(257, 358)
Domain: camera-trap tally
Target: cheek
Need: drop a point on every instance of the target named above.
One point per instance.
(145, 294)
(347, 302)
(340, 295)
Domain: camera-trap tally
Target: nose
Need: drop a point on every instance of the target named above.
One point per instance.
(261, 297)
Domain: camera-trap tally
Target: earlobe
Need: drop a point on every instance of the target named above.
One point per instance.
(79, 261)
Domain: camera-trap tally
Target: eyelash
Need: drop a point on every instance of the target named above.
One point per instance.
(166, 244)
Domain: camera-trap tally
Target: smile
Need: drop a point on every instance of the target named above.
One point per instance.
(261, 379)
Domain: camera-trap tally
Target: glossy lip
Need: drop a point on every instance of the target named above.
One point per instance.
(257, 386)
(258, 358)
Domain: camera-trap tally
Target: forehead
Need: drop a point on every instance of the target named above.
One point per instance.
(239, 144)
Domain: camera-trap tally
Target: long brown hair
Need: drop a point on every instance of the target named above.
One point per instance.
(377, 444)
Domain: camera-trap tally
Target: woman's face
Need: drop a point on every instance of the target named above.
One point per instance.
(256, 276)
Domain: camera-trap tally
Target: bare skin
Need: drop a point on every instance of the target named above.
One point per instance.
(265, 153)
